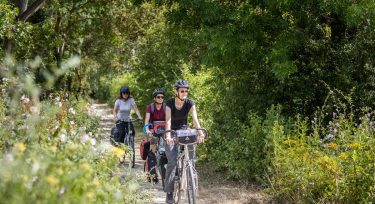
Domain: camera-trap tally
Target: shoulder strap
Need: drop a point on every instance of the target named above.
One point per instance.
(152, 106)
(164, 107)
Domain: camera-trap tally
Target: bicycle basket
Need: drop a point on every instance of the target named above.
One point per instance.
(187, 136)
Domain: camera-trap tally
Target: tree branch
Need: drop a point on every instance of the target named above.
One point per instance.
(34, 7)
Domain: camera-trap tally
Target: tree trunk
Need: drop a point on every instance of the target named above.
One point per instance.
(34, 7)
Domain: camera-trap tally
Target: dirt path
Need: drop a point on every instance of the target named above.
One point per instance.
(210, 190)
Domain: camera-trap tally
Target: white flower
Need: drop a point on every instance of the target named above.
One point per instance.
(74, 132)
(57, 98)
(24, 99)
(59, 104)
(84, 138)
(9, 157)
(71, 122)
(72, 111)
(35, 167)
(93, 142)
(63, 138)
(5, 79)
(62, 191)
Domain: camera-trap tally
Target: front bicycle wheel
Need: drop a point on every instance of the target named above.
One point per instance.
(192, 184)
(177, 190)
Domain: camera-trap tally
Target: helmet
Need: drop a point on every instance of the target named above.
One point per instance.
(125, 89)
(181, 84)
(158, 91)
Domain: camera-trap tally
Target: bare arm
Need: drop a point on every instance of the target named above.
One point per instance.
(147, 120)
(168, 126)
(196, 124)
(135, 108)
(194, 115)
(115, 109)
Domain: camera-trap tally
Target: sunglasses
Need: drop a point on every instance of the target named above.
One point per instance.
(125, 93)
(159, 97)
(184, 91)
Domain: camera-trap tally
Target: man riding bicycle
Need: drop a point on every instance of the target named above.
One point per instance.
(177, 111)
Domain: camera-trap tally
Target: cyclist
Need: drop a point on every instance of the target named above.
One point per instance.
(155, 114)
(121, 112)
(177, 111)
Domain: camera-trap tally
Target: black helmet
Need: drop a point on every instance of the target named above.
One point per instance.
(125, 89)
(181, 84)
(158, 91)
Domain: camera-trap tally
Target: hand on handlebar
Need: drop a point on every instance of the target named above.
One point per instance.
(201, 136)
(170, 140)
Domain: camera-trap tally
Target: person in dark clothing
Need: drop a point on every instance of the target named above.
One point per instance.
(177, 111)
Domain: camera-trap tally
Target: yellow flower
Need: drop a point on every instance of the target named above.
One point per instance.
(85, 165)
(355, 145)
(343, 156)
(333, 146)
(118, 152)
(52, 180)
(96, 183)
(20, 147)
(89, 195)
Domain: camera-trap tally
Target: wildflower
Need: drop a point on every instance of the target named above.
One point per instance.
(335, 130)
(343, 156)
(59, 104)
(84, 138)
(118, 152)
(63, 138)
(333, 146)
(85, 166)
(93, 142)
(89, 195)
(24, 99)
(71, 122)
(20, 147)
(9, 157)
(62, 191)
(51, 180)
(354, 145)
(96, 183)
(72, 111)
(5, 79)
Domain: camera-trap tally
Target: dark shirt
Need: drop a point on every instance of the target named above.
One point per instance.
(179, 117)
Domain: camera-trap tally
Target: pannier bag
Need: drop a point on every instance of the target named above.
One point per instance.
(144, 149)
(115, 134)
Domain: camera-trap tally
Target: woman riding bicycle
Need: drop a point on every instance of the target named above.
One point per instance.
(121, 112)
(155, 112)
(177, 111)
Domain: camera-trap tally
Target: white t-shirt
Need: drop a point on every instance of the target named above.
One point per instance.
(123, 108)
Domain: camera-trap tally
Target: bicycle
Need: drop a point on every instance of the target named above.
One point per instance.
(158, 128)
(186, 177)
(128, 141)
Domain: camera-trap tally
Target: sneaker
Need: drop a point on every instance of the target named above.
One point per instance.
(169, 198)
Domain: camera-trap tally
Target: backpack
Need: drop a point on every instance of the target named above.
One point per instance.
(144, 149)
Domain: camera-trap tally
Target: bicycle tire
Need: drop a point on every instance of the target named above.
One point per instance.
(191, 185)
(177, 191)
(133, 152)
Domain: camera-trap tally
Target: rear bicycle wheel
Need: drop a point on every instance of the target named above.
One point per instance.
(132, 152)
(191, 185)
